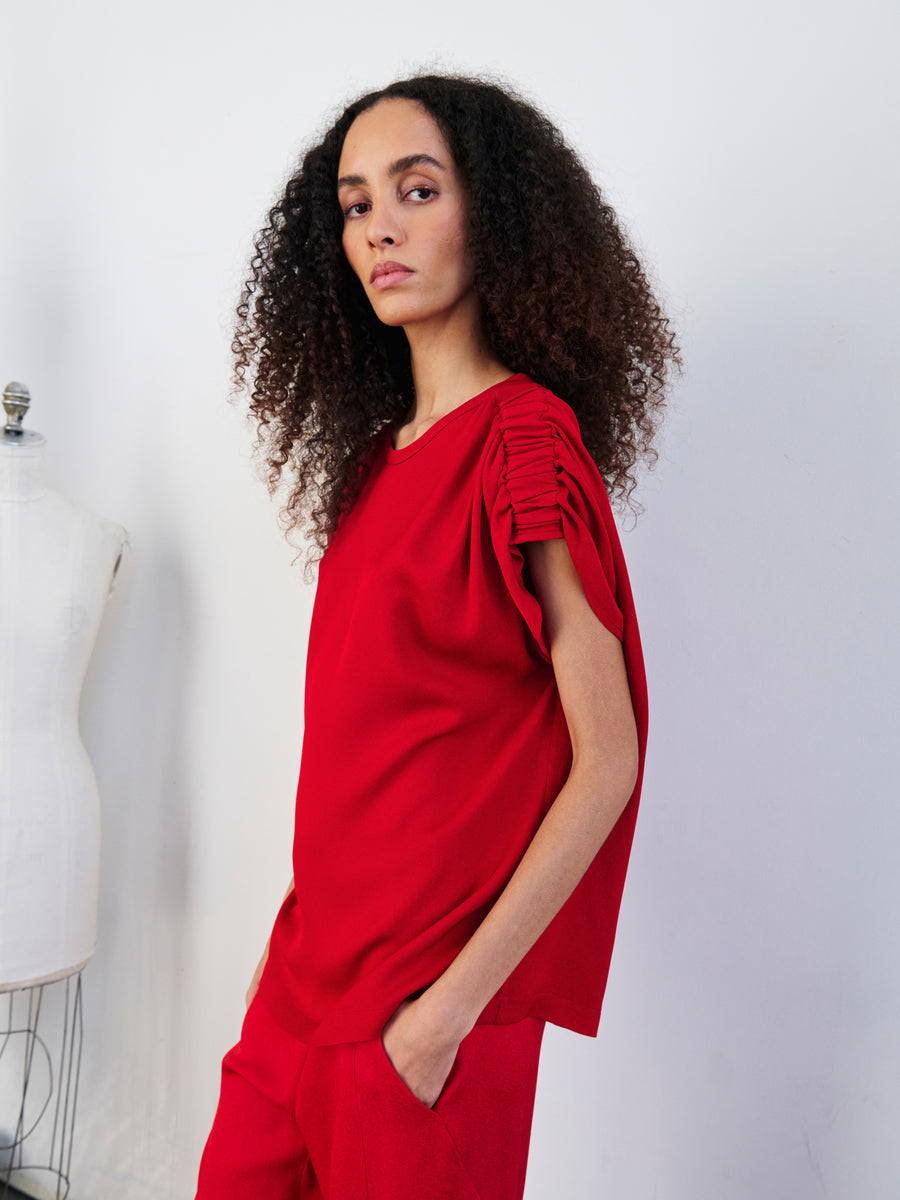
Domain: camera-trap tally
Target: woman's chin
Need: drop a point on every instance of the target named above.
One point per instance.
(400, 314)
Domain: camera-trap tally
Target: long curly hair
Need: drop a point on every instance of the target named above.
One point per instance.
(563, 298)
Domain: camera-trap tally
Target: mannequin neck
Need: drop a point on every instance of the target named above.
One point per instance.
(22, 469)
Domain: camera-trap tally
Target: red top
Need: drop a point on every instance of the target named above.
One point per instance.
(434, 736)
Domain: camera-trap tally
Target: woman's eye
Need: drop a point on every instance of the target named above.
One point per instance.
(422, 193)
(356, 210)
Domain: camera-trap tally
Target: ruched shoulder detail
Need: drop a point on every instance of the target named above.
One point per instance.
(531, 454)
(541, 483)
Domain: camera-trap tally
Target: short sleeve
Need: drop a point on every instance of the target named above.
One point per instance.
(540, 483)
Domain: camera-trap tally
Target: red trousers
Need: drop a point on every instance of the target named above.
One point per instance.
(298, 1122)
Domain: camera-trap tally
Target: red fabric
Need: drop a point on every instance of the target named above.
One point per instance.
(434, 737)
(296, 1122)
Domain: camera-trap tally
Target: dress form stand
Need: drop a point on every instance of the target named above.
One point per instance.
(57, 567)
(46, 1070)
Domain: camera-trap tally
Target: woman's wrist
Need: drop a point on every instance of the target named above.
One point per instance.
(449, 1010)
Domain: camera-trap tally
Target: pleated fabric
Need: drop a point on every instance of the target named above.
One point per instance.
(540, 482)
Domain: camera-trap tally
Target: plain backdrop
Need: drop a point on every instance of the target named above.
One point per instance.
(749, 1045)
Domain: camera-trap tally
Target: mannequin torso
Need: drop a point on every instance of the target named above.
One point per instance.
(57, 564)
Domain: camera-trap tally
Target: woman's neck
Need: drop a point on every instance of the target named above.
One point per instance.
(450, 363)
(22, 471)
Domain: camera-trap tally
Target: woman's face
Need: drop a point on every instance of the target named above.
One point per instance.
(405, 216)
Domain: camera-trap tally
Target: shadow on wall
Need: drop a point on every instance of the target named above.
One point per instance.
(134, 714)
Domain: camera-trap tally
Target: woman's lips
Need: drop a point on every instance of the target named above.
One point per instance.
(387, 274)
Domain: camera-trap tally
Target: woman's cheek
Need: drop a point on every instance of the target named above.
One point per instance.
(348, 243)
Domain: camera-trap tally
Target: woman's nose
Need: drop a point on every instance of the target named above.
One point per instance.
(383, 227)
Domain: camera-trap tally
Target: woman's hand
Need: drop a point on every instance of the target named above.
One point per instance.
(257, 975)
(421, 1051)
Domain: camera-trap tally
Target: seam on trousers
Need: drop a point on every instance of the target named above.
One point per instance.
(362, 1140)
(308, 1166)
(305, 1173)
(459, 1157)
(299, 1080)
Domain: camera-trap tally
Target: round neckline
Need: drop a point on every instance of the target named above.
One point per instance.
(393, 455)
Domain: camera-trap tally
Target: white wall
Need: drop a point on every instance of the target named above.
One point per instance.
(749, 1046)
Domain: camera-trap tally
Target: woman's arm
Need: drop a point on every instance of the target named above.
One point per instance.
(423, 1035)
(261, 965)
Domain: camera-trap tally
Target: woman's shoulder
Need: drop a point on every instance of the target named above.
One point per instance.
(535, 449)
(525, 408)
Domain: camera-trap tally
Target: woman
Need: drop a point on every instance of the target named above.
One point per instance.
(447, 333)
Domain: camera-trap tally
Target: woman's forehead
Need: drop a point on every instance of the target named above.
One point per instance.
(391, 130)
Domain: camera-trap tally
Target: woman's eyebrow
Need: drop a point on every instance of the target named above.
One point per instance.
(396, 168)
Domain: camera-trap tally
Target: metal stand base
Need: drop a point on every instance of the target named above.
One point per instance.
(25, 1047)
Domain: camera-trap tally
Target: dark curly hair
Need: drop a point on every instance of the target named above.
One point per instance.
(563, 298)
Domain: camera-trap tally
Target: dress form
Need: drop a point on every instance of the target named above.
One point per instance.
(57, 566)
